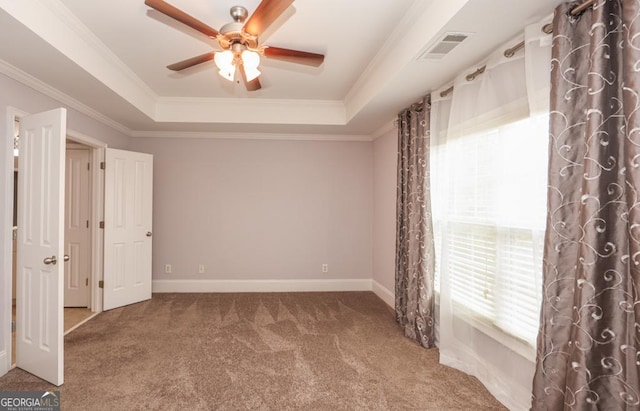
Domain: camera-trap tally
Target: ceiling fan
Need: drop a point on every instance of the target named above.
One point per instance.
(239, 41)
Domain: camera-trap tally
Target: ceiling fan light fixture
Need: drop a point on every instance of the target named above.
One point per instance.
(250, 58)
(251, 73)
(250, 63)
(224, 61)
(228, 74)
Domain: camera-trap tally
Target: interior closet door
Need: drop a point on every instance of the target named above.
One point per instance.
(127, 227)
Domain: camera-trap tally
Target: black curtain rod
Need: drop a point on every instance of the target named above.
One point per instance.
(547, 28)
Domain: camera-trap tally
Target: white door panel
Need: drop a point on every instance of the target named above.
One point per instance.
(128, 227)
(39, 311)
(77, 233)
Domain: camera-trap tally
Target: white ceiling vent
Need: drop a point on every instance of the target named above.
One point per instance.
(442, 47)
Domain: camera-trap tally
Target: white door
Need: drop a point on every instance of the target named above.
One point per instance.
(127, 227)
(39, 311)
(77, 235)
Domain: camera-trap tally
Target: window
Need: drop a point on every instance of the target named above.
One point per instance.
(489, 206)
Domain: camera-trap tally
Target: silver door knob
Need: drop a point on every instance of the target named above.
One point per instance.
(66, 258)
(50, 260)
(148, 233)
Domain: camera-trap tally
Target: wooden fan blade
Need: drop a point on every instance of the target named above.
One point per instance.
(177, 14)
(265, 14)
(191, 62)
(294, 56)
(252, 85)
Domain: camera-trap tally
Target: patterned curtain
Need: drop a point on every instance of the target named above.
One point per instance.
(415, 264)
(589, 340)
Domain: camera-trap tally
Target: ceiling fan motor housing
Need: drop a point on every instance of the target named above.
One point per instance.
(233, 33)
(230, 28)
(239, 14)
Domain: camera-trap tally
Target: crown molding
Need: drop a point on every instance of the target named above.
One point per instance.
(82, 31)
(392, 41)
(249, 136)
(42, 87)
(384, 130)
(421, 24)
(67, 34)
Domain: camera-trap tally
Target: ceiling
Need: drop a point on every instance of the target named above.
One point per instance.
(108, 59)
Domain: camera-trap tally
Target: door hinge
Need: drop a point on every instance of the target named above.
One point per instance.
(87, 223)
(86, 282)
(88, 166)
(102, 165)
(101, 284)
(101, 224)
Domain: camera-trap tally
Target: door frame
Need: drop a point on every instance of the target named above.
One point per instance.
(97, 153)
(6, 240)
(82, 165)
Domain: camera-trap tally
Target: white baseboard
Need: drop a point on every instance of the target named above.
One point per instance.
(384, 293)
(258, 286)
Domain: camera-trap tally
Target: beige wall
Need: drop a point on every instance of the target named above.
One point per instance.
(385, 149)
(261, 209)
(247, 209)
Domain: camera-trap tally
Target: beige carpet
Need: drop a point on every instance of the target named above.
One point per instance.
(282, 351)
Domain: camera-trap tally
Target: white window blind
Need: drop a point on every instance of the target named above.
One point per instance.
(489, 196)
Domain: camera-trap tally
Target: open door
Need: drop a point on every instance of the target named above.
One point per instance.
(40, 244)
(127, 227)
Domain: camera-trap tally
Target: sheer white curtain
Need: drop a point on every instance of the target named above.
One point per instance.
(489, 163)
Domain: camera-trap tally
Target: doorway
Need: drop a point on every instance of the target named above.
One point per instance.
(82, 244)
(77, 238)
(121, 210)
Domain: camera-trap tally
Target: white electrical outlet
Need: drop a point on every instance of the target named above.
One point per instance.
(325, 268)
(201, 268)
(168, 269)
